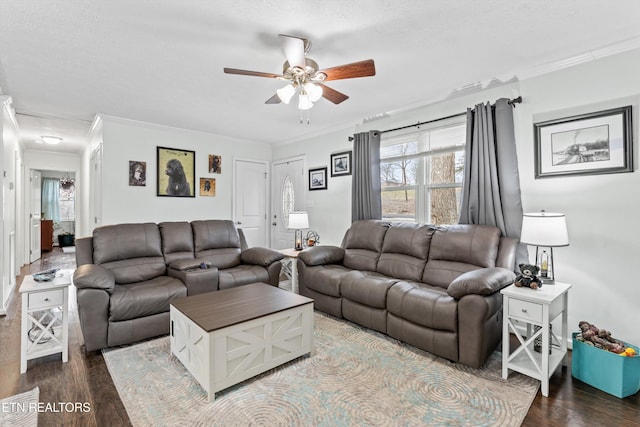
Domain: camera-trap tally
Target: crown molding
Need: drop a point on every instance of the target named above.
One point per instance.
(592, 55)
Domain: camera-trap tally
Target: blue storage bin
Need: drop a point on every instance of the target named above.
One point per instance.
(607, 371)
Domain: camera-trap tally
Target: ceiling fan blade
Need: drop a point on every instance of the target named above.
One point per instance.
(364, 68)
(293, 48)
(275, 99)
(332, 94)
(251, 73)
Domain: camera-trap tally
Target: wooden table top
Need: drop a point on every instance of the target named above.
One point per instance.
(219, 309)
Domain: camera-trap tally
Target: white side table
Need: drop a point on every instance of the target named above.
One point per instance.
(45, 309)
(291, 256)
(535, 307)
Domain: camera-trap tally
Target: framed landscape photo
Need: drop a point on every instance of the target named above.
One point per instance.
(341, 164)
(176, 172)
(318, 179)
(588, 144)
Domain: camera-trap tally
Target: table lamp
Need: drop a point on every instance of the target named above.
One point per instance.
(545, 229)
(298, 221)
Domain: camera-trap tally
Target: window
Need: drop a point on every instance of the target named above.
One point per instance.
(67, 200)
(421, 174)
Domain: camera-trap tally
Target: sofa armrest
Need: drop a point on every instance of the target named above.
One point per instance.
(321, 255)
(189, 264)
(94, 276)
(483, 281)
(260, 256)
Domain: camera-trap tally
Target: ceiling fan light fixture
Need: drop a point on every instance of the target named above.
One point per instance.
(314, 91)
(52, 140)
(304, 102)
(286, 93)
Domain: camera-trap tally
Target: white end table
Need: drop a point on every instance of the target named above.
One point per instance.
(291, 256)
(45, 309)
(535, 307)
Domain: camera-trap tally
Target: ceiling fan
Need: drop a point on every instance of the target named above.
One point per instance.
(304, 77)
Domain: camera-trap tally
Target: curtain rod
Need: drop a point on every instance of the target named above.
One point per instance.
(511, 102)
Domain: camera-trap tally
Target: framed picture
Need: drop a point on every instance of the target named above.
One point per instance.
(318, 179)
(215, 163)
(341, 164)
(137, 173)
(588, 144)
(208, 187)
(176, 172)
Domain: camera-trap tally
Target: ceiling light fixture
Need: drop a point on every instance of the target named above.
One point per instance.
(52, 140)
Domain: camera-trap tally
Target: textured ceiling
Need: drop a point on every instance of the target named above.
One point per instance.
(161, 61)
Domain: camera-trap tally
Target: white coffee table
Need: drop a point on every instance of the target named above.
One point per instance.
(45, 309)
(225, 337)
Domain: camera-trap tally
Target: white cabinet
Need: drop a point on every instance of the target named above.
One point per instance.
(535, 308)
(45, 318)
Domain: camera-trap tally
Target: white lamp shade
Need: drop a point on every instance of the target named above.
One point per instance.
(298, 220)
(304, 103)
(286, 93)
(314, 91)
(544, 229)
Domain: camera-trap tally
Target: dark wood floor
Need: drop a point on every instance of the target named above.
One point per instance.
(84, 378)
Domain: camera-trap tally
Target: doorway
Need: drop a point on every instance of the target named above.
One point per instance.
(53, 211)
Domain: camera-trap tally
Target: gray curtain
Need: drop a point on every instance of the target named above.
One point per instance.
(365, 194)
(491, 189)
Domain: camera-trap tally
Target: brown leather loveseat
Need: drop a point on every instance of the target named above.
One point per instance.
(128, 273)
(436, 288)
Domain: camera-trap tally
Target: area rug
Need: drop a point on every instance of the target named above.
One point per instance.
(20, 410)
(356, 377)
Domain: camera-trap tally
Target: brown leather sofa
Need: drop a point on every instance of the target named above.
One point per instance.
(436, 288)
(128, 273)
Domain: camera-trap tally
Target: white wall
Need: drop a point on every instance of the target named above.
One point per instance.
(125, 140)
(10, 160)
(602, 210)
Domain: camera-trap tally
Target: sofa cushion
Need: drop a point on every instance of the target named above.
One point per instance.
(241, 275)
(126, 241)
(457, 249)
(132, 252)
(423, 305)
(177, 241)
(363, 244)
(367, 288)
(405, 251)
(325, 279)
(144, 298)
(217, 241)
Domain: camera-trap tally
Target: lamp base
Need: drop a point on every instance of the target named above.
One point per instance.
(298, 240)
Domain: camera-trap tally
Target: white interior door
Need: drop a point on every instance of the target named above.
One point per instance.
(34, 215)
(287, 189)
(250, 200)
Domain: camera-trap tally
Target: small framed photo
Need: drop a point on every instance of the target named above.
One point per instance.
(208, 187)
(318, 179)
(341, 163)
(588, 144)
(176, 172)
(215, 163)
(137, 173)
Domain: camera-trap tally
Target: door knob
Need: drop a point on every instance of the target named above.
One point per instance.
(274, 223)
(239, 223)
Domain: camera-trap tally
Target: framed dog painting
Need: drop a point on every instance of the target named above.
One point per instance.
(176, 172)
